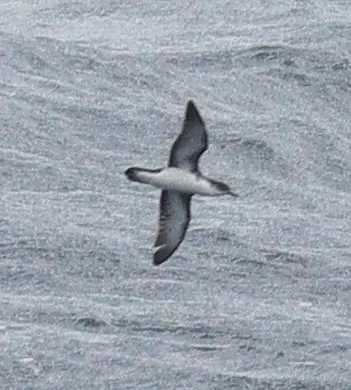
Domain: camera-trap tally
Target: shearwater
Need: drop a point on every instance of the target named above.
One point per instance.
(179, 182)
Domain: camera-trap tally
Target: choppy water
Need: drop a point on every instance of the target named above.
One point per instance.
(258, 296)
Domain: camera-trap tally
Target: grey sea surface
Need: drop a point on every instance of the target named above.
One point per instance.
(258, 296)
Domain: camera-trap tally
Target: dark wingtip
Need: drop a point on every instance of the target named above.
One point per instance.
(192, 113)
(162, 254)
(191, 104)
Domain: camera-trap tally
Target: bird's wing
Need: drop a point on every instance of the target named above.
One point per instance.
(191, 142)
(173, 223)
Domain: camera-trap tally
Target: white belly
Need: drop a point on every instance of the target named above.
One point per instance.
(180, 180)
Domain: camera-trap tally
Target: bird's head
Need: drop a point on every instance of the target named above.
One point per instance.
(223, 189)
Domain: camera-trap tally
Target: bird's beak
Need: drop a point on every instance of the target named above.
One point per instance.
(233, 194)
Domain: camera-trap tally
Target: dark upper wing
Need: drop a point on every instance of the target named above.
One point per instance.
(191, 142)
(173, 224)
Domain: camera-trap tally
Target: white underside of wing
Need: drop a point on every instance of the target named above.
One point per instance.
(156, 248)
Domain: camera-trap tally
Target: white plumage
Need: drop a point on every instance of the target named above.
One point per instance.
(180, 180)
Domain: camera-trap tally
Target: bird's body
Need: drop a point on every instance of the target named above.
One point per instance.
(179, 182)
(178, 179)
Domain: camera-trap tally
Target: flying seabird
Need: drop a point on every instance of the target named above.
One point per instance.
(179, 182)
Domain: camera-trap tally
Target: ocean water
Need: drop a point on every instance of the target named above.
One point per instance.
(258, 296)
